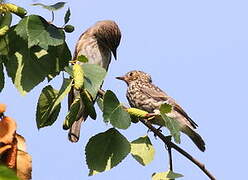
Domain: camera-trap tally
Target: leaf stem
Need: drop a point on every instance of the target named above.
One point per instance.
(52, 17)
(170, 158)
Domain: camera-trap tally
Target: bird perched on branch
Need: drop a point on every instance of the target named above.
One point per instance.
(96, 43)
(142, 94)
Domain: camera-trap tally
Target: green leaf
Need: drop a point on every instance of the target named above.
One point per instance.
(59, 58)
(94, 76)
(142, 150)
(88, 103)
(7, 174)
(72, 114)
(24, 68)
(43, 34)
(113, 111)
(119, 118)
(165, 108)
(1, 75)
(173, 175)
(53, 7)
(21, 29)
(106, 150)
(49, 103)
(27, 67)
(82, 59)
(78, 76)
(37, 31)
(110, 102)
(168, 175)
(172, 124)
(67, 16)
(5, 19)
(4, 45)
(44, 116)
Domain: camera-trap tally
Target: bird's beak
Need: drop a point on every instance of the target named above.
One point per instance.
(114, 54)
(121, 78)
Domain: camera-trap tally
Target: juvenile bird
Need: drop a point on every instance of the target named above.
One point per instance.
(142, 94)
(96, 43)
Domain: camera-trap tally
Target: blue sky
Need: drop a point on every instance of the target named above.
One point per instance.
(195, 50)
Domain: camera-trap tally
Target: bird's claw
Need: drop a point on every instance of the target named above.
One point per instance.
(158, 129)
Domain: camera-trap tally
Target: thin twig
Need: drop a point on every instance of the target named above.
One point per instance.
(168, 148)
(170, 158)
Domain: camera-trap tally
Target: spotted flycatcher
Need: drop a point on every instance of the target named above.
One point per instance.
(142, 94)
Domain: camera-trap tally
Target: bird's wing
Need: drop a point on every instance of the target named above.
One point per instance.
(159, 95)
(182, 112)
(155, 93)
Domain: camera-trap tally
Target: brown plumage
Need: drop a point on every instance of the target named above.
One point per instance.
(142, 94)
(96, 43)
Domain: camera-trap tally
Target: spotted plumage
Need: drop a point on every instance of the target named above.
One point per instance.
(143, 94)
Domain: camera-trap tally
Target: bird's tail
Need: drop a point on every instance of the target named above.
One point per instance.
(74, 132)
(195, 137)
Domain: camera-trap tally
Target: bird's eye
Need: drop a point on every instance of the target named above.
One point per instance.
(131, 74)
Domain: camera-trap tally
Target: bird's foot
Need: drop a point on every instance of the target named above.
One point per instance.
(158, 129)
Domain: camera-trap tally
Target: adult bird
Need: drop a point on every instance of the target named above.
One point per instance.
(96, 43)
(142, 94)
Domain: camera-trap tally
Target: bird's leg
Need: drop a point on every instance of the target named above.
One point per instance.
(150, 116)
(158, 129)
(73, 61)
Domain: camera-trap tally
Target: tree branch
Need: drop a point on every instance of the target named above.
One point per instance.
(169, 144)
(177, 148)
